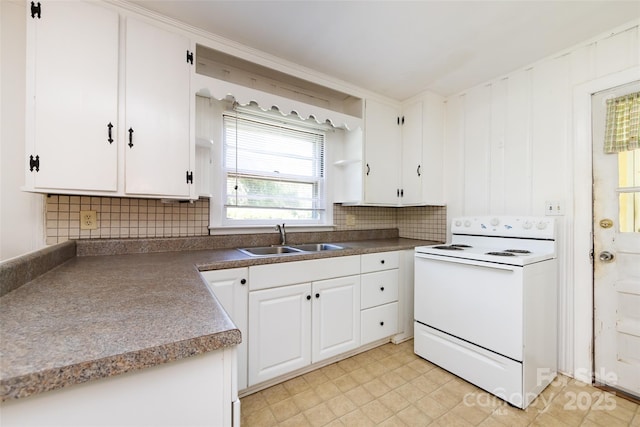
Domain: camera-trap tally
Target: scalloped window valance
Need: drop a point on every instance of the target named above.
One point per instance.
(219, 89)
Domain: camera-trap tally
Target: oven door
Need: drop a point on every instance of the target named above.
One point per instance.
(479, 302)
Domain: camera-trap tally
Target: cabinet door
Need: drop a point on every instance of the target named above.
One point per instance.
(382, 153)
(231, 289)
(157, 146)
(335, 317)
(411, 169)
(279, 331)
(433, 150)
(73, 97)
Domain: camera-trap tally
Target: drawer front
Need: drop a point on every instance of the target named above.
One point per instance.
(380, 261)
(290, 273)
(379, 322)
(495, 373)
(379, 288)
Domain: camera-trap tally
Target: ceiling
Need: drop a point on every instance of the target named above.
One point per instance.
(400, 48)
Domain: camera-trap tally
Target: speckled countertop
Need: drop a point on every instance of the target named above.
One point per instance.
(96, 316)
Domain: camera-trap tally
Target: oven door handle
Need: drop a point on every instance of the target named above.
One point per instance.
(467, 262)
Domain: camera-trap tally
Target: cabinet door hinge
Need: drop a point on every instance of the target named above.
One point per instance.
(189, 177)
(190, 57)
(34, 163)
(35, 9)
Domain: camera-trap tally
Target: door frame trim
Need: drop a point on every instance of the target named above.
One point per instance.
(582, 228)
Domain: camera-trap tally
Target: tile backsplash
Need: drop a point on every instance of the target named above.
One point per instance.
(423, 222)
(120, 217)
(134, 218)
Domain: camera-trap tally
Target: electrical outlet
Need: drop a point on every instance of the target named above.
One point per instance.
(88, 220)
(351, 220)
(553, 207)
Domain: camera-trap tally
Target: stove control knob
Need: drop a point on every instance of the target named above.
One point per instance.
(527, 225)
(541, 225)
(467, 223)
(458, 223)
(495, 221)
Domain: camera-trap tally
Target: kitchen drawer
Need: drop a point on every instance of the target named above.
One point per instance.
(380, 261)
(290, 273)
(379, 322)
(379, 288)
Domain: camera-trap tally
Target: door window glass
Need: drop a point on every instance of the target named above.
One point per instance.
(629, 191)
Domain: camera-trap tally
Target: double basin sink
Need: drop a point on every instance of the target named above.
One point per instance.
(274, 250)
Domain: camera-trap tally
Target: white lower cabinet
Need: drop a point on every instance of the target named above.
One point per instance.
(379, 322)
(231, 289)
(279, 331)
(194, 391)
(293, 326)
(380, 292)
(335, 317)
(304, 312)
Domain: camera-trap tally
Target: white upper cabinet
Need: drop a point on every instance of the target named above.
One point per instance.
(402, 152)
(108, 104)
(382, 153)
(72, 97)
(411, 169)
(432, 167)
(157, 101)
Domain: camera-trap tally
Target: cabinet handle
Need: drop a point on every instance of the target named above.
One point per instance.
(397, 192)
(381, 261)
(382, 288)
(308, 297)
(368, 169)
(317, 295)
(109, 138)
(130, 138)
(402, 119)
(402, 192)
(243, 281)
(418, 170)
(381, 323)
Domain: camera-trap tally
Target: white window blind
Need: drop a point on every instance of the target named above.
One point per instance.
(273, 171)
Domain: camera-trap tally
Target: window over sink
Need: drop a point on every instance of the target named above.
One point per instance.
(273, 169)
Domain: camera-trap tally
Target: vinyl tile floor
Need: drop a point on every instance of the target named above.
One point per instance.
(391, 386)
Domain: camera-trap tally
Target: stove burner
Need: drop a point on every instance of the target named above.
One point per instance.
(460, 245)
(518, 251)
(449, 248)
(500, 253)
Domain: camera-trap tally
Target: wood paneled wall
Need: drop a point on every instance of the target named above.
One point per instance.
(509, 146)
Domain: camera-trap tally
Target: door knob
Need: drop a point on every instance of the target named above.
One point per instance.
(606, 256)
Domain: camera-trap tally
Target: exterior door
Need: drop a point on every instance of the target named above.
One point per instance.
(616, 244)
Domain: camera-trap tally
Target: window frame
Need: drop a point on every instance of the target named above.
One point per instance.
(218, 208)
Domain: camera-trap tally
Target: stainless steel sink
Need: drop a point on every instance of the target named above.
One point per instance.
(290, 249)
(317, 247)
(270, 250)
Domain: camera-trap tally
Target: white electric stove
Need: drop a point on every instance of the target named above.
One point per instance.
(486, 304)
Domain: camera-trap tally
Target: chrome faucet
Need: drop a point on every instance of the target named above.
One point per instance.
(283, 234)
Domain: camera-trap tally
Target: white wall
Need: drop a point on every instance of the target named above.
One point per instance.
(21, 214)
(509, 146)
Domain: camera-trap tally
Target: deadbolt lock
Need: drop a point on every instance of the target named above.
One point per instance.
(606, 223)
